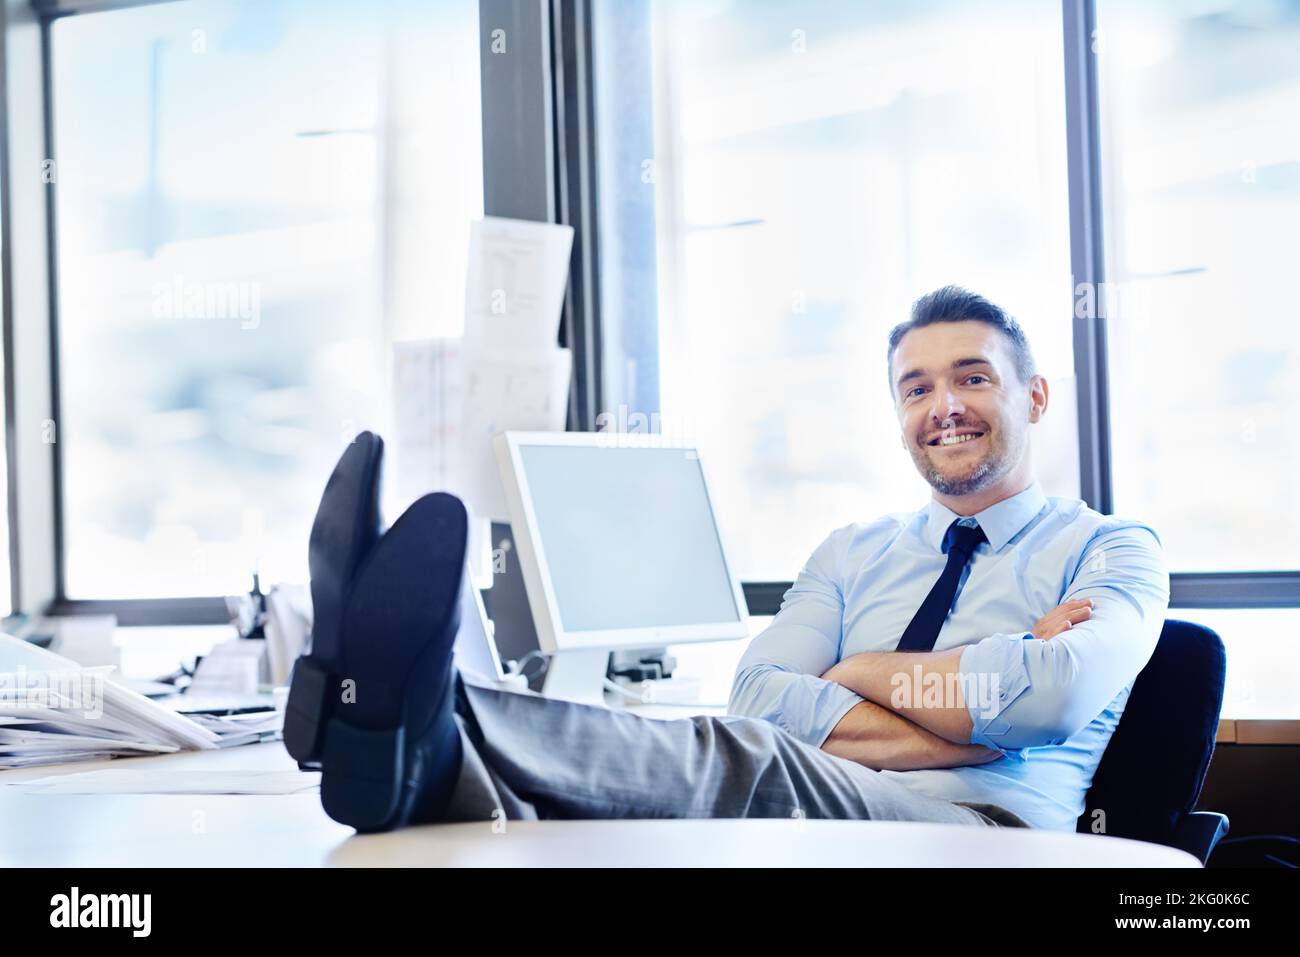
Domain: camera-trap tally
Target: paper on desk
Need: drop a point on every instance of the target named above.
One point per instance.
(173, 781)
(288, 626)
(54, 710)
(17, 654)
(59, 757)
(515, 285)
(52, 741)
(231, 668)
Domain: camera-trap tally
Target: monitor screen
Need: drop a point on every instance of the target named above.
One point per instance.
(628, 536)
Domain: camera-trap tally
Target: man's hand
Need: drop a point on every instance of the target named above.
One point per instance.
(879, 739)
(1063, 617)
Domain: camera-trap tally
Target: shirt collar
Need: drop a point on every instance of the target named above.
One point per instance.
(1001, 522)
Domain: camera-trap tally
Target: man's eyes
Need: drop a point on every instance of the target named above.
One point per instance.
(970, 379)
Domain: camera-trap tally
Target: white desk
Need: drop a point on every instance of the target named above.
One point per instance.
(291, 830)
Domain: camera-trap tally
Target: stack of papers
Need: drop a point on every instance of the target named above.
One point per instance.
(52, 711)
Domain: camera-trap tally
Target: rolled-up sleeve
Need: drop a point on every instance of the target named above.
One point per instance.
(1031, 693)
(779, 677)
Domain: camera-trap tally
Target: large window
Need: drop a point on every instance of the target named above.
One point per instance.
(807, 171)
(255, 200)
(1201, 156)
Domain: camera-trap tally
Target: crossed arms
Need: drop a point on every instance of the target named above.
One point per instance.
(916, 736)
(1003, 693)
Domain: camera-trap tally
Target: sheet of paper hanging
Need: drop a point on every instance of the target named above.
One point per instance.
(506, 394)
(428, 397)
(516, 275)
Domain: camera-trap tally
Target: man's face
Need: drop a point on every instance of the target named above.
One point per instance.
(958, 379)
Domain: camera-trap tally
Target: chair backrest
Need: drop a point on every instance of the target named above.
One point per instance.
(1153, 767)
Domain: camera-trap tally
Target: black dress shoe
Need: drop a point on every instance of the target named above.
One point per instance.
(391, 750)
(346, 528)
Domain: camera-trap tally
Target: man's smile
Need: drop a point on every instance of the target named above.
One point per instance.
(953, 439)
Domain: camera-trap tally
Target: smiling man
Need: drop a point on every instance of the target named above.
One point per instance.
(964, 664)
(1031, 615)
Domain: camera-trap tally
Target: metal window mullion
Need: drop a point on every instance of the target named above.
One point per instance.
(52, 9)
(575, 188)
(1087, 250)
(149, 612)
(1234, 590)
(518, 121)
(52, 285)
(7, 326)
(31, 421)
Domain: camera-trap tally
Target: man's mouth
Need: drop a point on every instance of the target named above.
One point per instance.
(947, 440)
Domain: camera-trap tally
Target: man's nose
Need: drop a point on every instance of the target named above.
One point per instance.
(946, 404)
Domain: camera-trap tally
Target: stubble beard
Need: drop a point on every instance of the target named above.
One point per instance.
(984, 473)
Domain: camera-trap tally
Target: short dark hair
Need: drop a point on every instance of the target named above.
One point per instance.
(955, 304)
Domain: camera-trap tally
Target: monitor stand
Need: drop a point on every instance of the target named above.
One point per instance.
(577, 676)
(580, 675)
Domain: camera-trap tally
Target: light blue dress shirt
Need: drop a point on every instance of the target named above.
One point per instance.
(1055, 702)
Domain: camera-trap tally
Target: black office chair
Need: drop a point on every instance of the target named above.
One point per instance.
(1151, 772)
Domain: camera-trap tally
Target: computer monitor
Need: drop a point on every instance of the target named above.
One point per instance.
(619, 545)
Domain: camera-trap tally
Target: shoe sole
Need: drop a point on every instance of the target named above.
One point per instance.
(395, 664)
(345, 529)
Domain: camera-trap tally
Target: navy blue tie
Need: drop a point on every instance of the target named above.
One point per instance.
(923, 630)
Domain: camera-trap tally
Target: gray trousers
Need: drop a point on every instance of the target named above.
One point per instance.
(529, 757)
